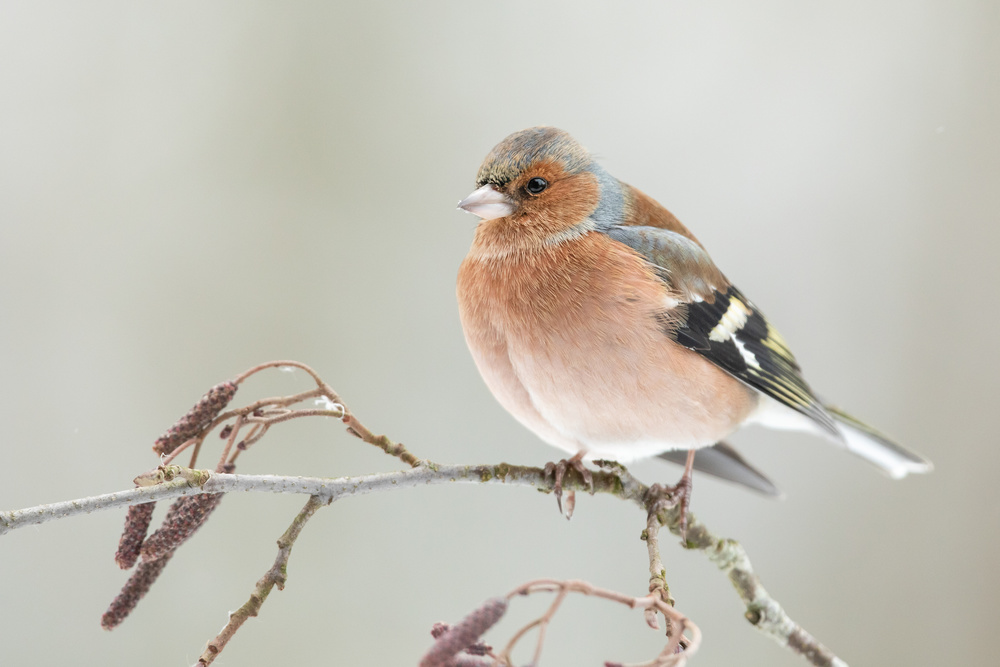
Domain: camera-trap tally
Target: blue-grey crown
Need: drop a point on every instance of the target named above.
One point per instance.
(513, 155)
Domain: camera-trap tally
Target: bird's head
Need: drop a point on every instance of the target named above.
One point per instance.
(542, 180)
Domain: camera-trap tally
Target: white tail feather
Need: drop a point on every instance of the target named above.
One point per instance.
(894, 460)
(858, 438)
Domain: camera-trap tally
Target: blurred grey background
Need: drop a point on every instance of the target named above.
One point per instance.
(188, 189)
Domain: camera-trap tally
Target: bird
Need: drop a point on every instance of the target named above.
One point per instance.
(600, 322)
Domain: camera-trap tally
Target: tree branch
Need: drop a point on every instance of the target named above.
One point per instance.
(185, 482)
(191, 430)
(765, 613)
(275, 576)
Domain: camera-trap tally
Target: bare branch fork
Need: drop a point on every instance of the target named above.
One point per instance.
(198, 491)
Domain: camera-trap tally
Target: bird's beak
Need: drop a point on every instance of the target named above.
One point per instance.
(488, 203)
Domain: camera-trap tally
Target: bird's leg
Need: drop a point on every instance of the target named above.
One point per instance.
(678, 495)
(557, 471)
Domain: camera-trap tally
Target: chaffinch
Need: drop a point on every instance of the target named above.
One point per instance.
(600, 322)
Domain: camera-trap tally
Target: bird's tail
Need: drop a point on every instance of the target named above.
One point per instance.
(861, 439)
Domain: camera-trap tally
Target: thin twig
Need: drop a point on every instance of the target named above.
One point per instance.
(280, 401)
(275, 576)
(544, 624)
(231, 440)
(355, 427)
(286, 363)
(167, 459)
(295, 414)
(256, 433)
(668, 657)
(657, 573)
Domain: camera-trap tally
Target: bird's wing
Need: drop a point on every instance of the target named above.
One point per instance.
(722, 461)
(713, 318)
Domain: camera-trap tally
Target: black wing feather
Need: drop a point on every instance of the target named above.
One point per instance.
(755, 353)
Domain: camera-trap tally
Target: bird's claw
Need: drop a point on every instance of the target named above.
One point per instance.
(557, 472)
(667, 497)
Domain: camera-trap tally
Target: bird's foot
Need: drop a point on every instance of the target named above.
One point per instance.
(557, 472)
(663, 497)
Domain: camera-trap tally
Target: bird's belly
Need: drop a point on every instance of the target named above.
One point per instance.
(625, 393)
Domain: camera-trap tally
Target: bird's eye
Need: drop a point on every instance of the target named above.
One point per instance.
(536, 185)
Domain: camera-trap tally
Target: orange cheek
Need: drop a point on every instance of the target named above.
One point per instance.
(565, 204)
